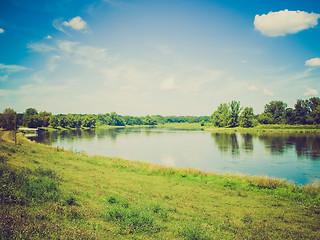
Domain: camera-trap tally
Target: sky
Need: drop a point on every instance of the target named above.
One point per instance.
(168, 57)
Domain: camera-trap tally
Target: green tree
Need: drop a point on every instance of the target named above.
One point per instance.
(227, 115)
(289, 116)
(233, 114)
(45, 118)
(265, 118)
(88, 121)
(8, 119)
(54, 121)
(220, 117)
(149, 120)
(31, 118)
(71, 121)
(62, 120)
(246, 117)
(276, 109)
(316, 115)
(302, 111)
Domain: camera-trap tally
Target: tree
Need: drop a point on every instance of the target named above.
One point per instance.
(302, 111)
(246, 117)
(88, 121)
(276, 109)
(62, 120)
(316, 115)
(8, 119)
(31, 111)
(54, 121)
(149, 120)
(227, 115)
(45, 118)
(265, 118)
(71, 121)
(315, 110)
(289, 116)
(220, 116)
(31, 119)
(233, 114)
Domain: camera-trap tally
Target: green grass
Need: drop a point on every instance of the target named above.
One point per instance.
(186, 126)
(270, 128)
(50, 193)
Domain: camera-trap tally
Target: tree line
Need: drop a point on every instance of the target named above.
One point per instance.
(33, 119)
(227, 115)
(275, 112)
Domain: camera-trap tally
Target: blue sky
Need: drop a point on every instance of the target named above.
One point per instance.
(168, 57)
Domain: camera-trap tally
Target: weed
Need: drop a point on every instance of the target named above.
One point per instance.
(40, 189)
(71, 200)
(134, 218)
(247, 219)
(3, 157)
(194, 231)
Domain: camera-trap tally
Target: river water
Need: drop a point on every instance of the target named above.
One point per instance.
(295, 157)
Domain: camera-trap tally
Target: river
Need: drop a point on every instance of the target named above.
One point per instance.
(295, 157)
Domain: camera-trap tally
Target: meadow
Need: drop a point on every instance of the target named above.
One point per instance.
(52, 193)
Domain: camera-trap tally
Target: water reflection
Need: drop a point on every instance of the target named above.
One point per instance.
(305, 145)
(247, 143)
(227, 142)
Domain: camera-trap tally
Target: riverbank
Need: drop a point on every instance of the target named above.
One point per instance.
(53, 193)
(266, 128)
(270, 128)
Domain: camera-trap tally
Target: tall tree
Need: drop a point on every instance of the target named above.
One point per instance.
(302, 111)
(45, 118)
(233, 114)
(54, 121)
(246, 117)
(8, 119)
(31, 118)
(276, 109)
(220, 117)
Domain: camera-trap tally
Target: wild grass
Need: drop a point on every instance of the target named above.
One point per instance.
(50, 193)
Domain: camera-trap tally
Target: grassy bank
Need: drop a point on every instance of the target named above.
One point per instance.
(53, 193)
(270, 128)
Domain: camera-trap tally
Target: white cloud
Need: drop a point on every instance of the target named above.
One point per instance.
(267, 92)
(48, 37)
(314, 62)
(310, 92)
(82, 54)
(40, 47)
(52, 62)
(67, 46)
(1, 30)
(253, 88)
(168, 84)
(11, 68)
(76, 23)
(284, 22)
